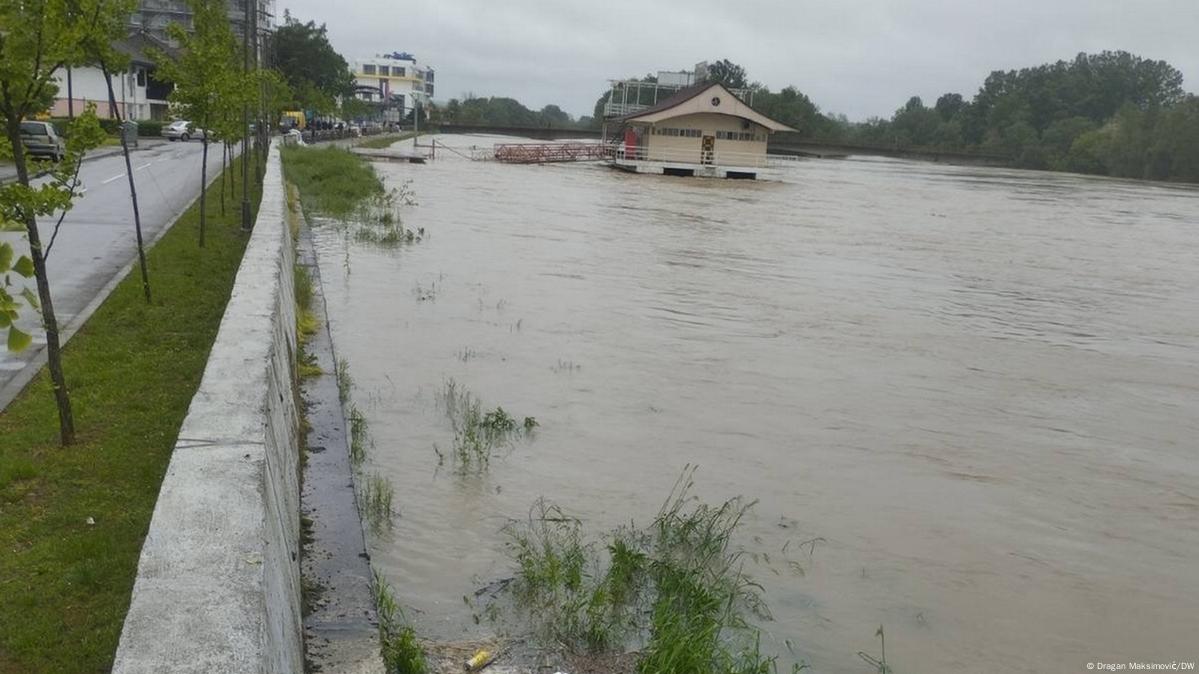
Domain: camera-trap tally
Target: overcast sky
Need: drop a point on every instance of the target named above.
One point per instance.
(857, 57)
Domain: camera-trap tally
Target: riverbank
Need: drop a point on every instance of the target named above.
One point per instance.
(72, 520)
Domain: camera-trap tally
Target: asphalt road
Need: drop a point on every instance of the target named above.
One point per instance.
(97, 242)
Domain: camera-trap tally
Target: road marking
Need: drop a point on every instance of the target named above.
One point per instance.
(117, 177)
(143, 166)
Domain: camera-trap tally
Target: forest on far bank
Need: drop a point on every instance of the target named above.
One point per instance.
(1111, 113)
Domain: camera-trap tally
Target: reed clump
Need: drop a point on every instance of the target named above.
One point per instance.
(674, 590)
(478, 433)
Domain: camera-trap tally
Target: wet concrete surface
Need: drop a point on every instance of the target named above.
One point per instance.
(340, 625)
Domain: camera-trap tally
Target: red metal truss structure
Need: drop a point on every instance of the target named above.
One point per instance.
(542, 153)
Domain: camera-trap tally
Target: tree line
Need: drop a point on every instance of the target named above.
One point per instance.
(1111, 113)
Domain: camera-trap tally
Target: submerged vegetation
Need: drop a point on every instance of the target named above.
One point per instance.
(401, 652)
(341, 185)
(477, 432)
(376, 502)
(675, 589)
(331, 180)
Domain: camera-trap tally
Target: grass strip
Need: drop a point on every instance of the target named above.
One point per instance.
(386, 140)
(72, 520)
(331, 180)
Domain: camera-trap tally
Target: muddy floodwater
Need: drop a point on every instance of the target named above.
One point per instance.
(978, 387)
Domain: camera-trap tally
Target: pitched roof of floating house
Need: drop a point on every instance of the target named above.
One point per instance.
(705, 97)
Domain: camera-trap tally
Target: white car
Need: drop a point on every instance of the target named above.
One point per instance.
(183, 130)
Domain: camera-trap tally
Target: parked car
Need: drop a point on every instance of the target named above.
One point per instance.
(41, 140)
(183, 130)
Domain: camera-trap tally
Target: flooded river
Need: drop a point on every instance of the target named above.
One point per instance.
(978, 387)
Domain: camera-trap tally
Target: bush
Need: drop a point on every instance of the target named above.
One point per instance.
(145, 127)
(150, 128)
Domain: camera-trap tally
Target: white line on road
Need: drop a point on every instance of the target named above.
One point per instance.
(143, 166)
(117, 177)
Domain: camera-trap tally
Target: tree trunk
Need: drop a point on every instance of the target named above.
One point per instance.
(137, 218)
(66, 420)
(203, 183)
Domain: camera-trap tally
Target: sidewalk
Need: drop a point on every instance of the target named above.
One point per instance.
(8, 170)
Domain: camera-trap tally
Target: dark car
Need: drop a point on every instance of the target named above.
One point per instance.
(41, 140)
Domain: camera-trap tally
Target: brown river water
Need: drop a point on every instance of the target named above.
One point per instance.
(979, 387)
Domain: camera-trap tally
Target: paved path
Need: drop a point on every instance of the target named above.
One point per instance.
(97, 244)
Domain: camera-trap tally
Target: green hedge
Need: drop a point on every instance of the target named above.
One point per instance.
(145, 128)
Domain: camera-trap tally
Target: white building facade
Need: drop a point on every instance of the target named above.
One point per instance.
(396, 81)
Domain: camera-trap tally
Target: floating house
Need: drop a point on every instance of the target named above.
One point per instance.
(702, 130)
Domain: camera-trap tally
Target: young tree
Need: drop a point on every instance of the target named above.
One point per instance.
(98, 49)
(49, 37)
(204, 75)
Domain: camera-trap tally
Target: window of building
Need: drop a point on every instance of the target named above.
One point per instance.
(384, 71)
(141, 77)
(398, 71)
(683, 133)
(368, 69)
(739, 135)
(428, 75)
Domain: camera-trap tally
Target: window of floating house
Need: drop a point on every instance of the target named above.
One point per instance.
(682, 133)
(739, 135)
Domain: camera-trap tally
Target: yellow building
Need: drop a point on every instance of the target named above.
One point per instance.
(394, 80)
(702, 130)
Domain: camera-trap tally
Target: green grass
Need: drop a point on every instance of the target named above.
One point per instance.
(477, 433)
(674, 590)
(377, 497)
(386, 140)
(331, 180)
(132, 370)
(402, 654)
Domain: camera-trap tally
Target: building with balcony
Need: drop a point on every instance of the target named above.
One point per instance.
(395, 81)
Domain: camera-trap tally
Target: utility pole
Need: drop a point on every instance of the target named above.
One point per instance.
(70, 96)
(245, 121)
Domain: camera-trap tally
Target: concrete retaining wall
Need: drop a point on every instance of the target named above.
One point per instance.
(218, 583)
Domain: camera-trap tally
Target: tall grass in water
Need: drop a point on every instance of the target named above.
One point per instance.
(376, 502)
(345, 382)
(675, 589)
(477, 432)
(401, 652)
